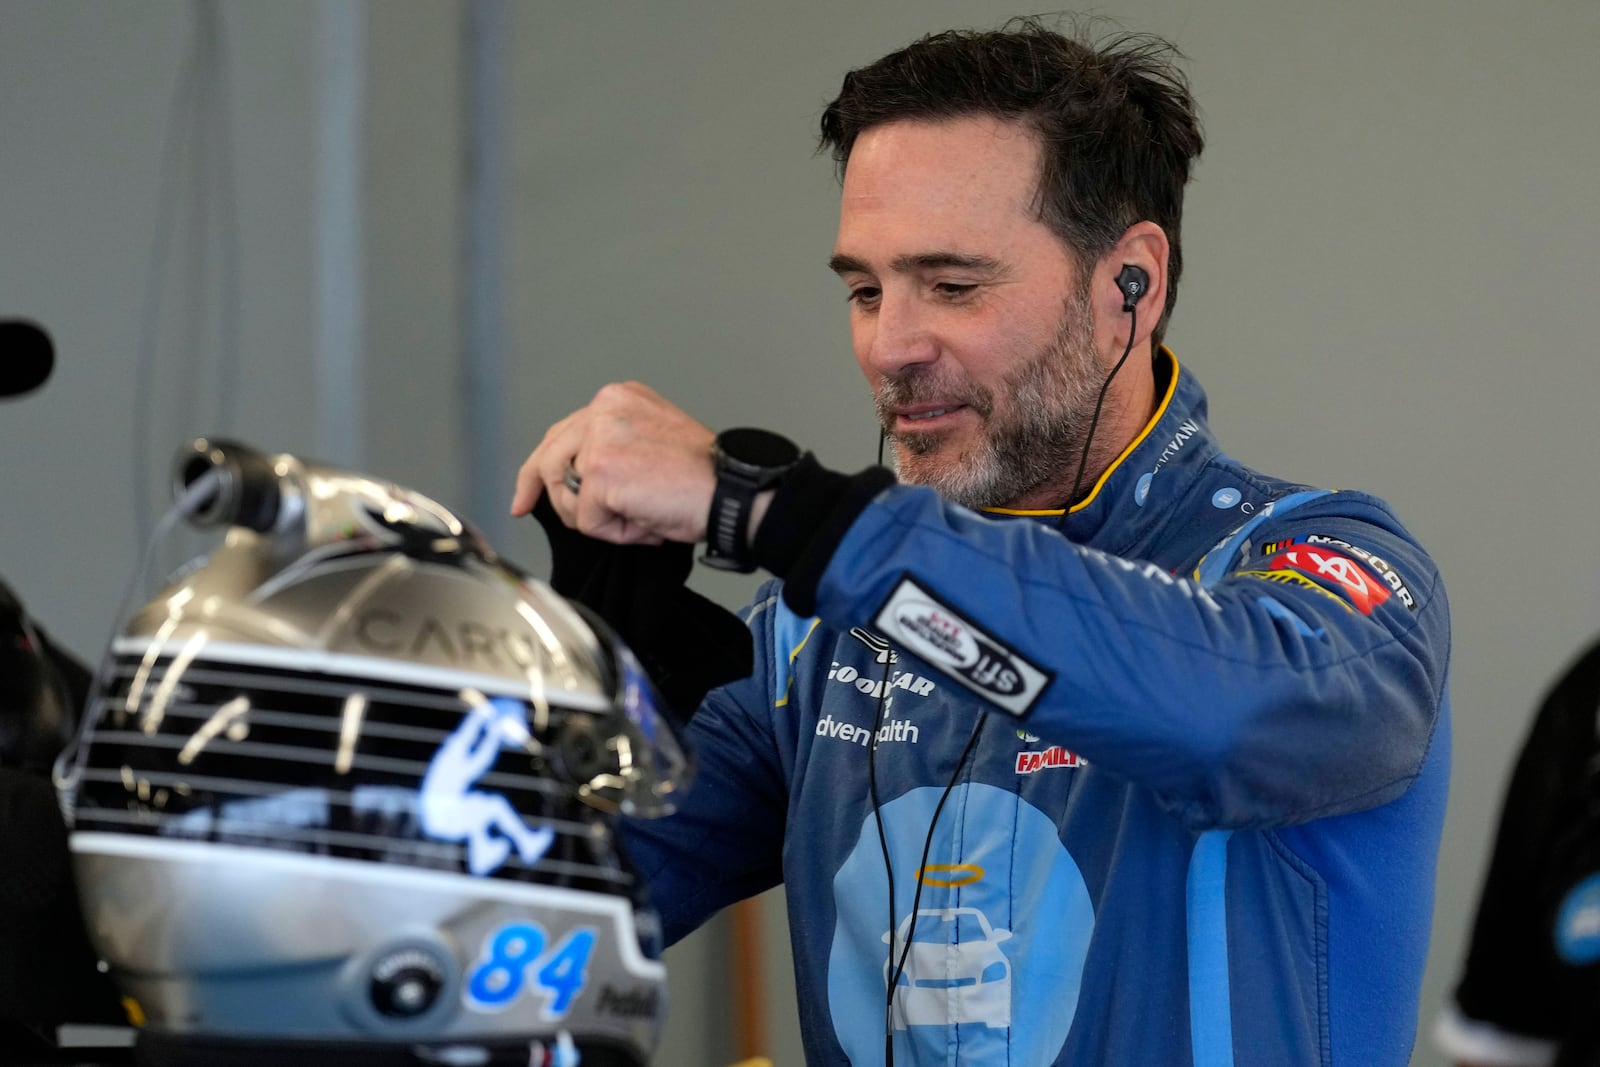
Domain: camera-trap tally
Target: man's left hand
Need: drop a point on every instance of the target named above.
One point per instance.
(645, 466)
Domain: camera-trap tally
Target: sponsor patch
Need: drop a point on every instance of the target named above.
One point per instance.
(1346, 575)
(880, 648)
(639, 1003)
(893, 730)
(875, 686)
(921, 623)
(1186, 429)
(1293, 577)
(1379, 565)
(1045, 759)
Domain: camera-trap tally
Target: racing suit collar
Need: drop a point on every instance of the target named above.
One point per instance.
(1174, 445)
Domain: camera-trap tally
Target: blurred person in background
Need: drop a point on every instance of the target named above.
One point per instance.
(1529, 995)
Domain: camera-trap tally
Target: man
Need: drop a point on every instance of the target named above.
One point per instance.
(1532, 977)
(1159, 780)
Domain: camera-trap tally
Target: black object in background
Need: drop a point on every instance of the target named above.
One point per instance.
(1547, 844)
(48, 972)
(42, 689)
(26, 357)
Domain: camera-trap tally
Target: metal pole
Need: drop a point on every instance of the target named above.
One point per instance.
(338, 255)
(486, 45)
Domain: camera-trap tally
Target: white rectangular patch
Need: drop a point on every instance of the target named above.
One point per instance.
(924, 625)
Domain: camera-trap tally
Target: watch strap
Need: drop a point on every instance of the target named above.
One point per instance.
(810, 515)
(727, 527)
(747, 461)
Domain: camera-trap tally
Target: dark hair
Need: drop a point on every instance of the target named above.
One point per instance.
(1115, 119)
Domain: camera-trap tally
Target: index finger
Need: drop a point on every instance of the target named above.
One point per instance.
(545, 465)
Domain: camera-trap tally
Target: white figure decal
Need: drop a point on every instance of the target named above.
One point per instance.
(453, 811)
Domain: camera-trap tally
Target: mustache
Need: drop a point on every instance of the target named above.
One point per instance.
(919, 386)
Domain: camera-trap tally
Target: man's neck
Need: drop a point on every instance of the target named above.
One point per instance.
(1129, 406)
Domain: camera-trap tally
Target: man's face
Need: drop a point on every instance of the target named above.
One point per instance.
(969, 318)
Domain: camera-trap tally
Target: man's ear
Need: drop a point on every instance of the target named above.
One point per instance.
(1133, 272)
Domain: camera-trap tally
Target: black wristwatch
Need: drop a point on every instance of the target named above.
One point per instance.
(747, 461)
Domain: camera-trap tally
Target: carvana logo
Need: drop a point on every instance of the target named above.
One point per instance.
(1142, 490)
(1226, 498)
(966, 961)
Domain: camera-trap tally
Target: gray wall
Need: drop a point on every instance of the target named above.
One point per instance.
(1390, 243)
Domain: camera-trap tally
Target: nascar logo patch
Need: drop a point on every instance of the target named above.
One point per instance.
(923, 624)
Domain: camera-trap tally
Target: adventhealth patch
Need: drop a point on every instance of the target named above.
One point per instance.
(924, 625)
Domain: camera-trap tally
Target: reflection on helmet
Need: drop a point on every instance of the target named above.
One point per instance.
(347, 784)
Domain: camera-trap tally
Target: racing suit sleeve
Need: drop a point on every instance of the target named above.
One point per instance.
(1243, 698)
(725, 841)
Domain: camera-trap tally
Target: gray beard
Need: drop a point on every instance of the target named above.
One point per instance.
(1032, 435)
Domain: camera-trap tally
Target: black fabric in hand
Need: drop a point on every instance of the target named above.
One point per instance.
(48, 972)
(687, 643)
(42, 690)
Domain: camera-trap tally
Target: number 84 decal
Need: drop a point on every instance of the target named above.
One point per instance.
(515, 955)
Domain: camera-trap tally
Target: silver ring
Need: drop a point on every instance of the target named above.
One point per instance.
(571, 478)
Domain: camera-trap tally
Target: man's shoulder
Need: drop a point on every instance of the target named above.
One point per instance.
(1290, 499)
(1235, 518)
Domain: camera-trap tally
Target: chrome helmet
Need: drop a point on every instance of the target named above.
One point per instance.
(346, 789)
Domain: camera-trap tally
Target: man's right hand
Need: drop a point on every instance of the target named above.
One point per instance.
(645, 465)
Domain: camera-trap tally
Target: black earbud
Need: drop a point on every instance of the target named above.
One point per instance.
(1133, 282)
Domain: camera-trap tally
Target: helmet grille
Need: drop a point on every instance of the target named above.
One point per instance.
(320, 763)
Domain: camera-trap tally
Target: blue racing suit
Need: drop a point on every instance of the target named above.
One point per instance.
(1165, 790)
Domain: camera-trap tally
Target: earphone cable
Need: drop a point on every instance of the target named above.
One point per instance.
(927, 845)
(883, 840)
(1088, 438)
(894, 974)
(899, 967)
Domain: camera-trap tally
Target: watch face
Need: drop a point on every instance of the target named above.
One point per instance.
(758, 448)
